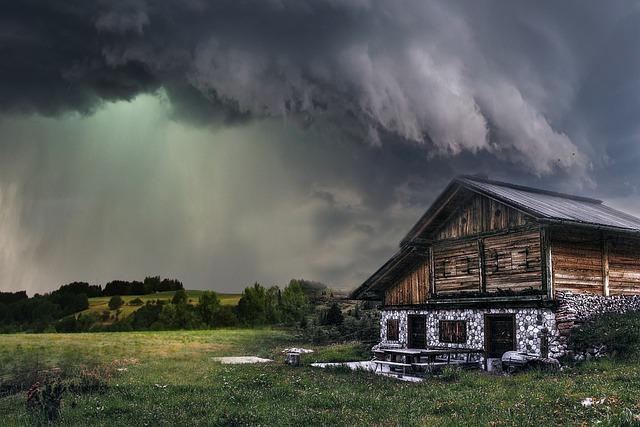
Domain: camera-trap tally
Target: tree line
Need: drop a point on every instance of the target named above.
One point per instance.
(18, 312)
(257, 306)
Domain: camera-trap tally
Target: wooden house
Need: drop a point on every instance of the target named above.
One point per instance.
(499, 267)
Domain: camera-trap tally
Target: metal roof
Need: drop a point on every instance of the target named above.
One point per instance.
(543, 205)
(551, 205)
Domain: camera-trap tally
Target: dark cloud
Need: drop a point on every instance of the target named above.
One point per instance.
(487, 76)
(358, 113)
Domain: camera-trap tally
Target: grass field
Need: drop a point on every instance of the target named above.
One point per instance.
(170, 379)
(101, 304)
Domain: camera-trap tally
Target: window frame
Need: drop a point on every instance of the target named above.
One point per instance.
(449, 337)
(396, 329)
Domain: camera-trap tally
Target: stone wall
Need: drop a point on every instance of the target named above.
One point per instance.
(576, 308)
(531, 325)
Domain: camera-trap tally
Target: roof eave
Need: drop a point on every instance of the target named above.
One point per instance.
(558, 221)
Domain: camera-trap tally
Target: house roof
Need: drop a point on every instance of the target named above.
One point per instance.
(543, 205)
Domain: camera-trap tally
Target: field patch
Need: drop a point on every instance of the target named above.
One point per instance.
(99, 305)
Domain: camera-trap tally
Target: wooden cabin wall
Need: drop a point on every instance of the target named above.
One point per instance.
(413, 288)
(456, 267)
(577, 261)
(624, 266)
(480, 215)
(512, 261)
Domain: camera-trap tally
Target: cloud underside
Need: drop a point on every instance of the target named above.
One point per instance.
(455, 79)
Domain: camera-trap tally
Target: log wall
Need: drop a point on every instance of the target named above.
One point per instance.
(577, 262)
(412, 288)
(456, 267)
(624, 266)
(512, 261)
(480, 215)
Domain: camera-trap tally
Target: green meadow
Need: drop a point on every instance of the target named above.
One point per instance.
(170, 378)
(100, 304)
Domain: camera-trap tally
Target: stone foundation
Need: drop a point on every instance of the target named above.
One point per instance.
(574, 308)
(531, 325)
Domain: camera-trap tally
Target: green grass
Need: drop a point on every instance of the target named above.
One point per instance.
(101, 304)
(200, 391)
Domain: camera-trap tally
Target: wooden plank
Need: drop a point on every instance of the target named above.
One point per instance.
(513, 262)
(578, 262)
(481, 264)
(477, 215)
(411, 288)
(547, 262)
(623, 256)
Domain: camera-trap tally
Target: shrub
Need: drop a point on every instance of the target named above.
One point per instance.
(45, 399)
(180, 297)
(450, 374)
(136, 301)
(617, 334)
(334, 315)
(115, 302)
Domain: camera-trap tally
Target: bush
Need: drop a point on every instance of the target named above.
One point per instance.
(450, 374)
(45, 400)
(136, 301)
(358, 325)
(180, 297)
(115, 302)
(618, 335)
(334, 315)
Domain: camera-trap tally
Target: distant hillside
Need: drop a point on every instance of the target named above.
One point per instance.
(100, 305)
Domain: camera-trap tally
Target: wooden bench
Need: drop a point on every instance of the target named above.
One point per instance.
(404, 366)
(430, 366)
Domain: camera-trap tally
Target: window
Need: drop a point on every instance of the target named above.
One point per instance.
(392, 329)
(453, 331)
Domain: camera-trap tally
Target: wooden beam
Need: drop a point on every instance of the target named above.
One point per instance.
(605, 266)
(432, 273)
(481, 264)
(546, 260)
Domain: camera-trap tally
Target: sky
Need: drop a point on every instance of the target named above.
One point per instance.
(229, 142)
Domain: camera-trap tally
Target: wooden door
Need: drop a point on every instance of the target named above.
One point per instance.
(500, 334)
(417, 331)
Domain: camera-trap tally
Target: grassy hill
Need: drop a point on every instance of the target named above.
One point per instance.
(170, 378)
(101, 304)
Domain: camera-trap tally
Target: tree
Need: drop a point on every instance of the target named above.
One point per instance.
(252, 305)
(180, 297)
(295, 304)
(273, 303)
(152, 284)
(145, 316)
(334, 315)
(115, 302)
(81, 288)
(208, 307)
(226, 316)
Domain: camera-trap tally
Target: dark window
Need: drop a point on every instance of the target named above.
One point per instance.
(453, 331)
(392, 329)
(445, 264)
(495, 259)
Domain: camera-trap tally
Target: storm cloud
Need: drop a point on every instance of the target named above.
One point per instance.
(339, 120)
